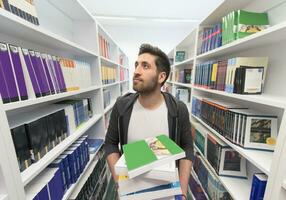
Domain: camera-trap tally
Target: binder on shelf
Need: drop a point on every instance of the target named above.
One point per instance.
(8, 74)
(18, 71)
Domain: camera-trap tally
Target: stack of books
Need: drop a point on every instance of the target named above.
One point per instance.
(147, 169)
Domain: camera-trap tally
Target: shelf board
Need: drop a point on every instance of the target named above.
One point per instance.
(123, 66)
(73, 9)
(108, 62)
(284, 185)
(111, 84)
(263, 99)
(188, 85)
(15, 26)
(238, 188)
(261, 159)
(185, 62)
(109, 107)
(76, 187)
(222, 10)
(37, 167)
(269, 36)
(4, 197)
(35, 101)
(124, 81)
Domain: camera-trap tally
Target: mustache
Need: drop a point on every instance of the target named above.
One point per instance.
(137, 77)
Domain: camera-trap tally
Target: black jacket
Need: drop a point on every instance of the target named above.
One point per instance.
(178, 120)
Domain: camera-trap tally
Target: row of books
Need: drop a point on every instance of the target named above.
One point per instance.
(29, 74)
(210, 38)
(248, 128)
(211, 185)
(153, 174)
(183, 94)
(223, 159)
(235, 25)
(106, 97)
(77, 74)
(22, 8)
(108, 75)
(64, 171)
(123, 75)
(241, 75)
(196, 189)
(239, 24)
(104, 47)
(183, 76)
(92, 185)
(54, 122)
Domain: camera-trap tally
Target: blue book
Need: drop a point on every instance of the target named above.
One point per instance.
(81, 155)
(77, 155)
(59, 164)
(59, 74)
(73, 165)
(83, 150)
(44, 194)
(65, 160)
(56, 186)
(259, 182)
(94, 145)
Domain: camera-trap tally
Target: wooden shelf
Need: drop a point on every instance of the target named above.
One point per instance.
(37, 167)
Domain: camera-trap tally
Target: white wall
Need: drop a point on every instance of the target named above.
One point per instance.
(130, 38)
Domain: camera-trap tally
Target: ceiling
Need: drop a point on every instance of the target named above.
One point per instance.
(150, 13)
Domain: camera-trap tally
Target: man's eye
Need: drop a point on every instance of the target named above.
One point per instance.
(145, 66)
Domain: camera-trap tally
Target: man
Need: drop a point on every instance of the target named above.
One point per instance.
(150, 112)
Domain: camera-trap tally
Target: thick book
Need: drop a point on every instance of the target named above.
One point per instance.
(259, 182)
(30, 75)
(7, 70)
(157, 192)
(18, 71)
(153, 152)
(165, 172)
(199, 136)
(138, 183)
(21, 144)
(94, 145)
(48, 73)
(250, 22)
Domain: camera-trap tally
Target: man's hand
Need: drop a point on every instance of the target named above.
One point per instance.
(111, 160)
(184, 173)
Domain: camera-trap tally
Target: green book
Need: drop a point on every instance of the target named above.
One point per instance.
(250, 22)
(144, 155)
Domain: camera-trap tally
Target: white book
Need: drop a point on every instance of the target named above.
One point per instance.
(139, 183)
(167, 172)
(168, 190)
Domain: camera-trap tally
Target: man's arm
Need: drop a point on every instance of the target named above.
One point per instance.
(111, 160)
(184, 173)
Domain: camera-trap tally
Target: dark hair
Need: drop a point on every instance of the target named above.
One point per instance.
(162, 60)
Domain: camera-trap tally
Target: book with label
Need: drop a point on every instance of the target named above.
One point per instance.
(165, 172)
(154, 152)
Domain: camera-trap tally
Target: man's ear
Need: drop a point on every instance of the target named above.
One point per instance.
(162, 76)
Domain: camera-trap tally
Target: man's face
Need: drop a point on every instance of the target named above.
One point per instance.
(146, 76)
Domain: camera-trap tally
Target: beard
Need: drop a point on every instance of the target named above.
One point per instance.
(144, 87)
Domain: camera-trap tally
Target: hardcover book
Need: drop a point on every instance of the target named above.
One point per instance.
(153, 152)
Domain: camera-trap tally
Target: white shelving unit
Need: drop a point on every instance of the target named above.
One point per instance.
(270, 42)
(66, 29)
